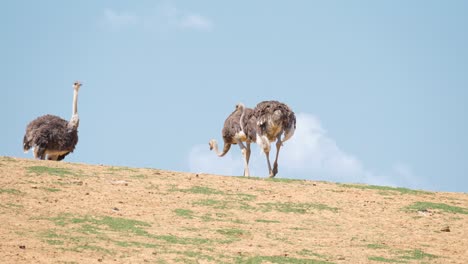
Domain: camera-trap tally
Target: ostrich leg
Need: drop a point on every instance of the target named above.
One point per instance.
(267, 154)
(279, 143)
(39, 152)
(245, 153)
(248, 152)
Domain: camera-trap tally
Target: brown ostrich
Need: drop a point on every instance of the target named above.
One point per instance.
(233, 133)
(53, 136)
(275, 121)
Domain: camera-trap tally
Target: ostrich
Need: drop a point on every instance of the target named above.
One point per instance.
(274, 121)
(233, 133)
(53, 136)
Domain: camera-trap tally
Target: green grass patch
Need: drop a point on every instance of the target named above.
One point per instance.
(185, 213)
(182, 240)
(232, 232)
(199, 190)
(286, 180)
(54, 242)
(404, 256)
(135, 244)
(417, 254)
(10, 191)
(139, 176)
(115, 169)
(245, 197)
(12, 205)
(278, 260)
(386, 260)
(422, 206)
(116, 224)
(93, 225)
(193, 257)
(384, 190)
(61, 172)
(376, 246)
(266, 221)
(99, 225)
(93, 248)
(306, 252)
(50, 234)
(90, 229)
(50, 189)
(298, 208)
(52, 237)
(218, 204)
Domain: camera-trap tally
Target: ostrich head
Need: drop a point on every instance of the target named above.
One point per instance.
(77, 85)
(240, 106)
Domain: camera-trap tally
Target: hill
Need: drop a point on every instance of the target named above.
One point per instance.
(58, 212)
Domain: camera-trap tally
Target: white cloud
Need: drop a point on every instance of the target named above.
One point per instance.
(202, 160)
(164, 17)
(310, 154)
(116, 20)
(195, 22)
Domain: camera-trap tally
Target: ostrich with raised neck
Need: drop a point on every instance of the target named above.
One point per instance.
(53, 137)
(234, 133)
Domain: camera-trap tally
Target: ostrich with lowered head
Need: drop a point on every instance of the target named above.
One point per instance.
(233, 133)
(274, 121)
(53, 136)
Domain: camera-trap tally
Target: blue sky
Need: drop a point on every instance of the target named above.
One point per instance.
(380, 88)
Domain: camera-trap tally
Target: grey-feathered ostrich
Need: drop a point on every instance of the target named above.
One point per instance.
(53, 136)
(274, 121)
(234, 133)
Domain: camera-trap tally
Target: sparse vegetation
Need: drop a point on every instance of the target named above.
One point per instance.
(424, 206)
(51, 171)
(385, 190)
(232, 232)
(184, 213)
(278, 260)
(10, 191)
(199, 190)
(115, 169)
(401, 256)
(50, 189)
(266, 221)
(376, 246)
(171, 217)
(139, 176)
(386, 260)
(306, 252)
(300, 208)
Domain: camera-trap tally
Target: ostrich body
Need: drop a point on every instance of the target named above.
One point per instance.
(52, 136)
(234, 133)
(275, 121)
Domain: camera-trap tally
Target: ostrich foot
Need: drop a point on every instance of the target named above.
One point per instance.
(275, 169)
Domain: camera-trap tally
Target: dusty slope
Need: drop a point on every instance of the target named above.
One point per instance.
(56, 212)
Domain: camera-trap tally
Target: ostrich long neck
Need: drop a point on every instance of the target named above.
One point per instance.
(242, 117)
(75, 120)
(225, 148)
(75, 102)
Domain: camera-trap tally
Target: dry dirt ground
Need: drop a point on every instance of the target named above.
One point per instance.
(58, 212)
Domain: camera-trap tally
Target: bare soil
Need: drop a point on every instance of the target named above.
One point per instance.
(59, 212)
